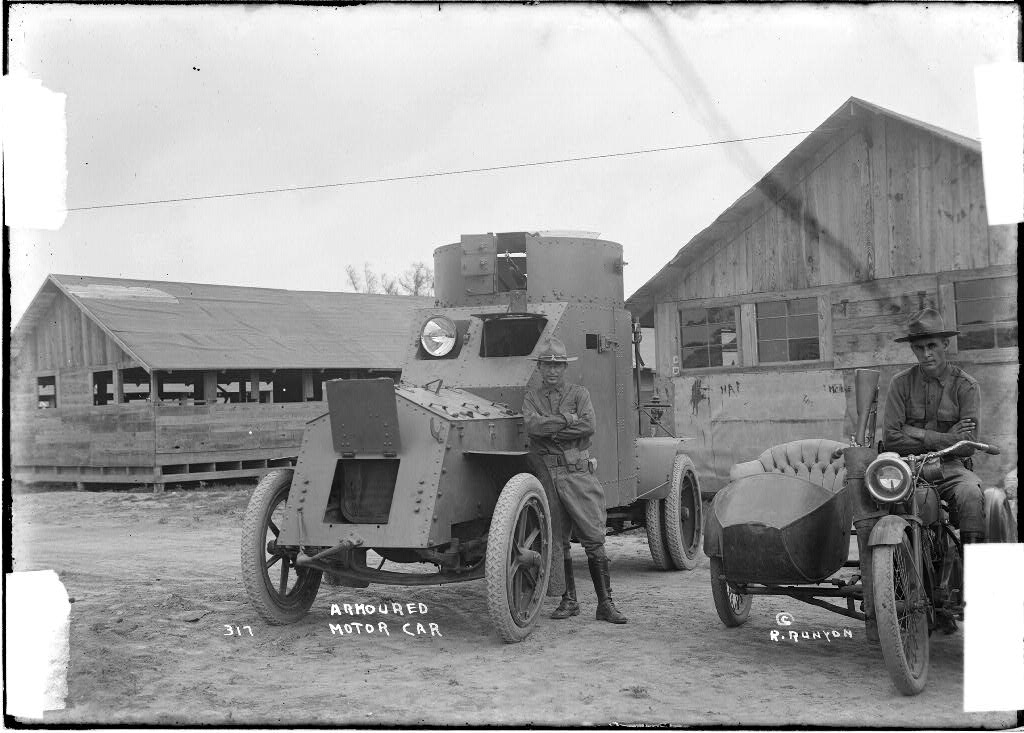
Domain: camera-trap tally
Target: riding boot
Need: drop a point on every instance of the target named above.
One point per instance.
(966, 538)
(568, 606)
(606, 610)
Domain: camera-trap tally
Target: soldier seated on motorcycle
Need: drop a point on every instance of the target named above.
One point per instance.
(931, 406)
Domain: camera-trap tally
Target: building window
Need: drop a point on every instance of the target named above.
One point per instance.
(103, 387)
(986, 313)
(46, 391)
(287, 385)
(707, 337)
(134, 385)
(787, 330)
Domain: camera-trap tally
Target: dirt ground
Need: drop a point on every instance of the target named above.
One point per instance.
(156, 583)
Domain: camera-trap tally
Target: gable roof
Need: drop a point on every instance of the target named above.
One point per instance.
(852, 113)
(169, 325)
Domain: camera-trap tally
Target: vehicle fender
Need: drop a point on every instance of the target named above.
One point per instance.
(888, 531)
(656, 456)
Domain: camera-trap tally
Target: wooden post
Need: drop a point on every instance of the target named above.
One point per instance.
(210, 387)
(748, 334)
(307, 385)
(254, 386)
(118, 384)
(154, 387)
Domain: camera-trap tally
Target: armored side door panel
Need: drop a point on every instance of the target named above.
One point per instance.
(582, 329)
(625, 419)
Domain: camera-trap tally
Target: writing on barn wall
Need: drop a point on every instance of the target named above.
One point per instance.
(733, 417)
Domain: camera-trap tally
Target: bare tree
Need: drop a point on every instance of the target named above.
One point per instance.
(354, 278)
(368, 281)
(389, 285)
(418, 280)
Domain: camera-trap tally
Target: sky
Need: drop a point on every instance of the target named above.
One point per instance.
(188, 101)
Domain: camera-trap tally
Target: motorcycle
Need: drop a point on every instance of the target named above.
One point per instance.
(917, 557)
(779, 533)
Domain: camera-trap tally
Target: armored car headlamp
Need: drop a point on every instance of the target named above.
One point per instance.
(888, 479)
(438, 336)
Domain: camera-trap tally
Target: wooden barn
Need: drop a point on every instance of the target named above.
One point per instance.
(147, 382)
(762, 318)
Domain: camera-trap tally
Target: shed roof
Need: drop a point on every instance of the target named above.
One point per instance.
(170, 325)
(852, 113)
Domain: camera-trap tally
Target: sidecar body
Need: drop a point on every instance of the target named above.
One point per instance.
(777, 528)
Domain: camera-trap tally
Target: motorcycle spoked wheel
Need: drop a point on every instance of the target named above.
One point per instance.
(901, 613)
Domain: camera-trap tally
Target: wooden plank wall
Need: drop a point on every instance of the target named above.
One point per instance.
(211, 433)
(866, 318)
(886, 201)
(728, 417)
(67, 338)
(84, 436)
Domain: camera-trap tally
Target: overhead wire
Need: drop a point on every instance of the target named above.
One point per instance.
(435, 174)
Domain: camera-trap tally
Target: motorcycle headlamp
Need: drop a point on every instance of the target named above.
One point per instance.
(888, 479)
(438, 336)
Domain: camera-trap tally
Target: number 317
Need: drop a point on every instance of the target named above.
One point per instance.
(236, 630)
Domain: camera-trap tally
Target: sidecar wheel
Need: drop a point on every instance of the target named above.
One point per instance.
(518, 562)
(733, 608)
(999, 523)
(683, 522)
(901, 612)
(280, 592)
(655, 534)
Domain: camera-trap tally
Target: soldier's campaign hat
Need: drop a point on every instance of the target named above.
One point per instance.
(924, 324)
(553, 350)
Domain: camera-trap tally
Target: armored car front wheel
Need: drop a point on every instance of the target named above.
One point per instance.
(280, 592)
(518, 557)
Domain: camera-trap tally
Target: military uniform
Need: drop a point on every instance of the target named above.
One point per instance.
(563, 444)
(560, 420)
(935, 404)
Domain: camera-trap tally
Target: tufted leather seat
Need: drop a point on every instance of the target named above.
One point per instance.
(810, 458)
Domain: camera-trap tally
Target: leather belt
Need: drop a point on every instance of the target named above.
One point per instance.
(553, 461)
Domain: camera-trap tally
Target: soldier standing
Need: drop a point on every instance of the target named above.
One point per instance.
(560, 420)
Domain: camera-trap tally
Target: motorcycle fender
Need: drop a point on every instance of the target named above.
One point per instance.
(888, 531)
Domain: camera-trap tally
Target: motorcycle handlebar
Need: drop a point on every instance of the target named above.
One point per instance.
(984, 447)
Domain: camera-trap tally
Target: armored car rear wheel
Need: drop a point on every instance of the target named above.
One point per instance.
(280, 592)
(518, 557)
(655, 535)
(683, 522)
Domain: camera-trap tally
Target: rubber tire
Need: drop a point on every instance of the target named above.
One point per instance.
(730, 615)
(655, 535)
(265, 599)
(684, 557)
(521, 490)
(999, 523)
(907, 678)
